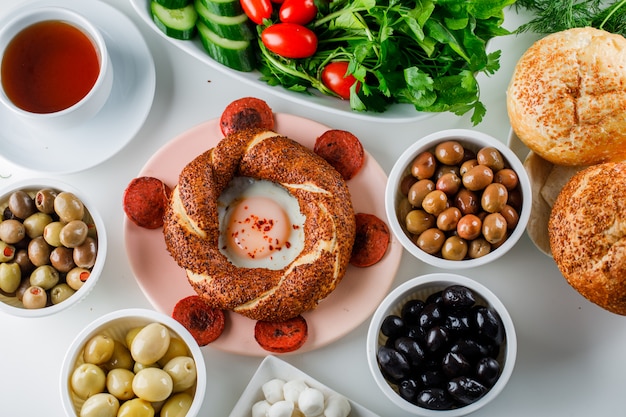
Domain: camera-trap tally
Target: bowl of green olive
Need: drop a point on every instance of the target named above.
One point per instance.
(458, 198)
(133, 362)
(53, 247)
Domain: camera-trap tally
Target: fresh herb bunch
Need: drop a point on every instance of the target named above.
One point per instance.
(557, 15)
(423, 52)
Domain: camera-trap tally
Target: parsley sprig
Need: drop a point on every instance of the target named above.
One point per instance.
(424, 52)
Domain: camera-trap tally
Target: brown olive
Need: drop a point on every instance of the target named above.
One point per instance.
(490, 157)
(515, 199)
(406, 184)
(22, 259)
(494, 198)
(77, 277)
(469, 227)
(467, 201)
(418, 191)
(454, 248)
(404, 207)
(12, 231)
(24, 285)
(68, 207)
(449, 152)
(494, 227)
(478, 177)
(73, 234)
(62, 259)
(467, 165)
(478, 247)
(449, 183)
(85, 254)
(418, 220)
(21, 204)
(44, 200)
(506, 177)
(7, 252)
(424, 165)
(435, 202)
(39, 251)
(511, 216)
(35, 223)
(448, 219)
(35, 297)
(446, 169)
(431, 240)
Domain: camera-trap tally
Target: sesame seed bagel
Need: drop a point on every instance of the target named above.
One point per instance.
(587, 229)
(191, 227)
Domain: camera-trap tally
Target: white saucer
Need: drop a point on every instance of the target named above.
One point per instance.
(101, 137)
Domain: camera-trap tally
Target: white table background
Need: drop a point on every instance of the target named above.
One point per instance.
(571, 359)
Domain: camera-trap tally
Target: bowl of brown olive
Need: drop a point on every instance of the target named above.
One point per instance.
(441, 345)
(133, 362)
(458, 198)
(52, 247)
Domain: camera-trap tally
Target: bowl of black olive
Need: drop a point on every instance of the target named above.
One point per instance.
(52, 247)
(441, 345)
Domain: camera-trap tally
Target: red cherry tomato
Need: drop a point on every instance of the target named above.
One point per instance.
(334, 77)
(257, 10)
(289, 40)
(297, 11)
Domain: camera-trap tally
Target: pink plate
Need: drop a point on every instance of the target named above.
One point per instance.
(356, 297)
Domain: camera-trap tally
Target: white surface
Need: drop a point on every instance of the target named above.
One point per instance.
(570, 352)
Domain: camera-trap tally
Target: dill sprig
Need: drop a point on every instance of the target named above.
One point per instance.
(556, 15)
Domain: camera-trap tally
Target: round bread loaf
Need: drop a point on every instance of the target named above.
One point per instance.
(567, 97)
(587, 229)
(191, 226)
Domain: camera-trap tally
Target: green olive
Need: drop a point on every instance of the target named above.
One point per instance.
(51, 233)
(138, 366)
(120, 359)
(150, 344)
(119, 382)
(44, 200)
(76, 277)
(152, 384)
(44, 276)
(7, 252)
(10, 277)
(60, 293)
(73, 234)
(85, 254)
(68, 207)
(100, 405)
(182, 369)
(136, 408)
(35, 224)
(176, 348)
(98, 349)
(35, 297)
(177, 405)
(21, 204)
(12, 231)
(87, 380)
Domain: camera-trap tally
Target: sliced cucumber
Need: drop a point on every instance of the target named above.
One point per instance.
(235, 54)
(176, 23)
(236, 28)
(173, 4)
(223, 7)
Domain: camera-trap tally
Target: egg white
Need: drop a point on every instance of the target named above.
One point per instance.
(241, 188)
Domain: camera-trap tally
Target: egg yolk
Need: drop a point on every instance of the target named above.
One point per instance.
(257, 228)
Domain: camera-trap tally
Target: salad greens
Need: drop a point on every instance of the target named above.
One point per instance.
(423, 52)
(557, 15)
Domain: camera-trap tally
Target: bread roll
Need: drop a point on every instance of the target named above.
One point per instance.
(587, 230)
(567, 97)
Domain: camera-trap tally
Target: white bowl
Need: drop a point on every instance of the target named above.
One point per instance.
(273, 367)
(473, 140)
(90, 104)
(420, 288)
(11, 304)
(115, 325)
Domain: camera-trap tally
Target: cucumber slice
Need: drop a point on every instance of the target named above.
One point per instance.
(235, 54)
(173, 4)
(230, 27)
(176, 23)
(223, 7)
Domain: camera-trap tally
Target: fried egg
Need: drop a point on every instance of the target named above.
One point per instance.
(261, 225)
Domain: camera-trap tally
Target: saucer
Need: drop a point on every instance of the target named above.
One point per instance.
(102, 136)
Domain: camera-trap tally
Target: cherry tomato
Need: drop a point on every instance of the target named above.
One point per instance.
(257, 10)
(334, 77)
(297, 11)
(289, 40)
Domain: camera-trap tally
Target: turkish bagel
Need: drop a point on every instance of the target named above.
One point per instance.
(191, 226)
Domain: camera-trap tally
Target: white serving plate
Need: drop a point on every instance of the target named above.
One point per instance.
(272, 367)
(397, 113)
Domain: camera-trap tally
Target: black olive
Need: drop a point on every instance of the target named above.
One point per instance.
(465, 389)
(432, 378)
(470, 349)
(455, 364)
(392, 326)
(434, 399)
(459, 322)
(487, 371)
(408, 389)
(489, 324)
(417, 332)
(431, 315)
(436, 338)
(411, 349)
(458, 296)
(393, 364)
(411, 311)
